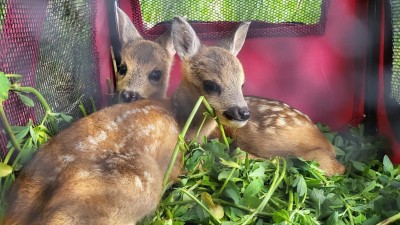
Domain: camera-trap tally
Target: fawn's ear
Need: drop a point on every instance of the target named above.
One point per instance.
(126, 30)
(184, 38)
(165, 40)
(235, 42)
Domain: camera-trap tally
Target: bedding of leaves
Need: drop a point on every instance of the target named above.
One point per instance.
(222, 188)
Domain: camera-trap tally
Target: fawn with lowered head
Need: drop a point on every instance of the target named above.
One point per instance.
(107, 168)
(274, 127)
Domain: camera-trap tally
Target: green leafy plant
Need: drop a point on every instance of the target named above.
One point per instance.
(24, 140)
(218, 187)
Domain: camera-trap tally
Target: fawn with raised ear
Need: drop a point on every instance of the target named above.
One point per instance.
(145, 65)
(274, 128)
(108, 167)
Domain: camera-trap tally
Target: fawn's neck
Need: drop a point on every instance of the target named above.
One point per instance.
(183, 101)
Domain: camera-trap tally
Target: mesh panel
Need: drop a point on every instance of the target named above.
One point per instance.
(214, 19)
(50, 43)
(67, 72)
(395, 84)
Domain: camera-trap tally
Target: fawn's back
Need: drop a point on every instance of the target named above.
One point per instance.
(277, 129)
(106, 168)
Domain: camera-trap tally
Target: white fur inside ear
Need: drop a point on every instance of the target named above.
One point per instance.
(238, 38)
(184, 38)
(126, 30)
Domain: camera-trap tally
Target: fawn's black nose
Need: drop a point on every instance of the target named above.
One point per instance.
(237, 113)
(130, 96)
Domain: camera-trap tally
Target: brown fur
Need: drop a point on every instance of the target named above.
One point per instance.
(261, 136)
(106, 168)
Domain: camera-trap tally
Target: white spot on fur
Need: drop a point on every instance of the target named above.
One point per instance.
(138, 183)
(263, 108)
(146, 131)
(148, 177)
(281, 122)
(297, 121)
(94, 140)
(268, 121)
(291, 113)
(270, 130)
(83, 174)
(80, 146)
(299, 112)
(276, 108)
(67, 158)
(111, 126)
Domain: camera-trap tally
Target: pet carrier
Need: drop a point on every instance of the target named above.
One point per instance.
(336, 61)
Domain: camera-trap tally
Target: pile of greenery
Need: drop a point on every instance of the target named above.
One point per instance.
(222, 188)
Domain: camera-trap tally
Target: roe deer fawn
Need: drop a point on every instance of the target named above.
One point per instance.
(107, 168)
(145, 65)
(274, 129)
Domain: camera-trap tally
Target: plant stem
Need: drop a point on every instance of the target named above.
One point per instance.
(221, 128)
(35, 92)
(349, 211)
(13, 75)
(194, 186)
(198, 131)
(225, 183)
(181, 141)
(41, 99)
(93, 104)
(278, 177)
(83, 110)
(290, 202)
(264, 214)
(200, 203)
(8, 128)
(390, 219)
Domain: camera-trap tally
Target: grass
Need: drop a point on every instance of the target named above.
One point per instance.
(3, 13)
(270, 11)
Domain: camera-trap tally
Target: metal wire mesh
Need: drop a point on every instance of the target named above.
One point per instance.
(67, 70)
(50, 43)
(214, 19)
(395, 83)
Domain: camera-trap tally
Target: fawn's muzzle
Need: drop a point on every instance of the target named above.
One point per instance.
(237, 113)
(130, 96)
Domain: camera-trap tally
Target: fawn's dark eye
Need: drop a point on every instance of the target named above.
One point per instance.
(211, 87)
(155, 75)
(122, 69)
